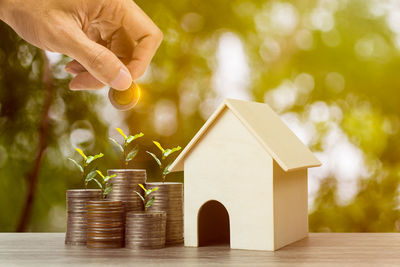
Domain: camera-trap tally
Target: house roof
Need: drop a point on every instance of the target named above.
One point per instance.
(266, 126)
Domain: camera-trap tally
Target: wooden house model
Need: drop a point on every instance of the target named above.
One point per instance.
(245, 180)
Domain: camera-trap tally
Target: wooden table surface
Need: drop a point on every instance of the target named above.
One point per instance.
(319, 249)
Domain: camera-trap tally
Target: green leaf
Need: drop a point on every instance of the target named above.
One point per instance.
(154, 157)
(132, 138)
(90, 176)
(81, 152)
(168, 151)
(149, 202)
(109, 177)
(108, 189)
(166, 169)
(98, 183)
(144, 189)
(77, 165)
(88, 160)
(128, 140)
(121, 132)
(131, 155)
(92, 158)
(149, 191)
(159, 146)
(121, 149)
(100, 155)
(141, 197)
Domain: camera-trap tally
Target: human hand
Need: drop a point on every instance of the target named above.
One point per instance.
(111, 41)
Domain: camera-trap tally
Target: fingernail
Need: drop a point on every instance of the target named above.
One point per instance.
(123, 80)
(76, 87)
(70, 70)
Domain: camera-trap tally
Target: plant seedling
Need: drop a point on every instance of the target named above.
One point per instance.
(161, 161)
(103, 185)
(146, 201)
(127, 156)
(83, 168)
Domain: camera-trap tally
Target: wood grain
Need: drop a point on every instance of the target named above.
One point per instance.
(361, 249)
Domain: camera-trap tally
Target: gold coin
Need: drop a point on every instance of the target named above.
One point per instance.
(124, 100)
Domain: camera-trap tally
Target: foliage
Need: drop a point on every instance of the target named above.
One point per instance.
(161, 161)
(103, 184)
(87, 175)
(343, 55)
(146, 201)
(127, 156)
(22, 94)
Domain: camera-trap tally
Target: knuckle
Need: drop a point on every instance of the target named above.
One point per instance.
(96, 60)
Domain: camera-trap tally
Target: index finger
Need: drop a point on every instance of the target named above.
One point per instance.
(142, 30)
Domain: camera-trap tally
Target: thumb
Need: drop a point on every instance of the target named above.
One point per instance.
(99, 61)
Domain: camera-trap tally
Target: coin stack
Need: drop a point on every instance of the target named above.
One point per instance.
(169, 198)
(105, 224)
(76, 214)
(145, 230)
(125, 183)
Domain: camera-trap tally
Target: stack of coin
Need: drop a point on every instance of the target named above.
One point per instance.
(76, 214)
(145, 230)
(169, 198)
(105, 224)
(125, 183)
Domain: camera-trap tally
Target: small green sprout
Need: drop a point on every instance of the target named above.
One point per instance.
(146, 201)
(161, 161)
(83, 168)
(103, 185)
(127, 156)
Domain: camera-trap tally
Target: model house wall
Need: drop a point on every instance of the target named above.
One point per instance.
(290, 206)
(245, 158)
(230, 166)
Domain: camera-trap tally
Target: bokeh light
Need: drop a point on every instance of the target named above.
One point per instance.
(329, 68)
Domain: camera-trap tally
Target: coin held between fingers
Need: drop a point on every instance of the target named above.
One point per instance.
(124, 100)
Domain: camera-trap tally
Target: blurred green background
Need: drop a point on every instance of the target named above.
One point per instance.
(329, 68)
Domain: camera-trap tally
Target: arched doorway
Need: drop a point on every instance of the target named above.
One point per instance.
(213, 224)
